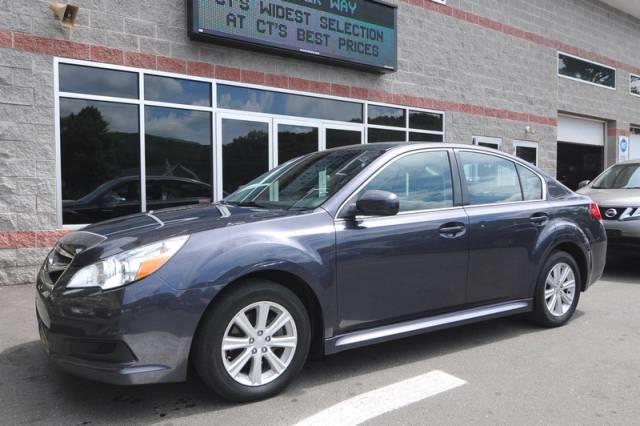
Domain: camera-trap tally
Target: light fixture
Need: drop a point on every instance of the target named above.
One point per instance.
(65, 13)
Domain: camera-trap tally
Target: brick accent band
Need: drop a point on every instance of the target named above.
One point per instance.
(30, 239)
(612, 131)
(521, 34)
(70, 49)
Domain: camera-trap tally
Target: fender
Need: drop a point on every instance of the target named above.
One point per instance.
(302, 246)
(558, 232)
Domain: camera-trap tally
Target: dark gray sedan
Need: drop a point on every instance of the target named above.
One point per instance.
(335, 250)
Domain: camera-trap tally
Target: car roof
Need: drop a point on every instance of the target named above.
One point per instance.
(636, 161)
(387, 146)
(402, 147)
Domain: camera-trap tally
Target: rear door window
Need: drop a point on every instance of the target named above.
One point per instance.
(490, 179)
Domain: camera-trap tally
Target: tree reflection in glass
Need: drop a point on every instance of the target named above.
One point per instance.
(100, 160)
(178, 157)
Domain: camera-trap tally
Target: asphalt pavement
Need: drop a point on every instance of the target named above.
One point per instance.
(503, 371)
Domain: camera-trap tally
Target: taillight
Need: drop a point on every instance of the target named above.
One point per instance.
(595, 211)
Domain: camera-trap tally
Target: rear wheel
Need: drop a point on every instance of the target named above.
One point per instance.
(557, 291)
(253, 341)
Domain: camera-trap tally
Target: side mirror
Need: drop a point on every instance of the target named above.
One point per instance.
(583, 183)
(378, 203)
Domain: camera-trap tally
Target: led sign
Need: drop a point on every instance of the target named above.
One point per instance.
(360, 33)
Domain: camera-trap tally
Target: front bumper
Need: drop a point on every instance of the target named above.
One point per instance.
(137, 334)
(598, 262)
(623, 235)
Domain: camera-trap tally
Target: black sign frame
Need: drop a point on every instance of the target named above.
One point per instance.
(292, 52)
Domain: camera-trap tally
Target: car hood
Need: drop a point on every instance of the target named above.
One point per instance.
(114, 236)
(613, 197)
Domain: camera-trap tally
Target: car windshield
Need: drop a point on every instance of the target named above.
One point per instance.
(305, 182)
(620, 176)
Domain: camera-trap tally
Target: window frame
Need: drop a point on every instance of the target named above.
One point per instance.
(493, 140)
(526, 144)
(455, 185)
(140, 101)
(214, 110)
(58, 147)
(615, 71)
(406, 129)
(631, 77)
(293, 123)
(83, 64)
(465, 188)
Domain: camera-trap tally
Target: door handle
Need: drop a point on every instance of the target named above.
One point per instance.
(539, 219)
(452, 230)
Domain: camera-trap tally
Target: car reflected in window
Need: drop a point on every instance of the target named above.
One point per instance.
(121, 196)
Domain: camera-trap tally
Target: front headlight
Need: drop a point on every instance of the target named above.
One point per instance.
(129, 266)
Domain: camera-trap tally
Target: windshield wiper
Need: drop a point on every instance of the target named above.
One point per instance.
(252, 204)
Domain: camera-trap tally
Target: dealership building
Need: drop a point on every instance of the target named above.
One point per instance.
(123, 106)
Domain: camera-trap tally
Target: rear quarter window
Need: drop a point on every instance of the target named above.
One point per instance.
(557, 190)
(531, 184)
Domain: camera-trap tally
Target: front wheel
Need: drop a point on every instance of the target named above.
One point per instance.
(253, 341)
(557, 291)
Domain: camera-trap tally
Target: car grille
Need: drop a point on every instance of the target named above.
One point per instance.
(620, 213)
(56, 263)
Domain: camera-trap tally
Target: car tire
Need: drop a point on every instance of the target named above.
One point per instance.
(556, 296)
(261, 375)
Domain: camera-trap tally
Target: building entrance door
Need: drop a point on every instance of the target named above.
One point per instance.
(249, 144)
(294, 139)
(242, 152)
(337, 135)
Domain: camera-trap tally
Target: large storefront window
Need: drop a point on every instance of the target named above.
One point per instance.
(393, 124)
(132, 141)
(335, 138)
(100, 160)
(102, 172)
(98, 81)
(266, 101)
(386, 116)
(177, 157)
(295, 141)
(176, 90)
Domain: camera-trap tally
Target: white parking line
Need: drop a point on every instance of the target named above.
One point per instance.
(363, 407)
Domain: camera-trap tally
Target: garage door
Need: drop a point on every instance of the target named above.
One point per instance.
(581, 131)
(580, 149)
(634, 146)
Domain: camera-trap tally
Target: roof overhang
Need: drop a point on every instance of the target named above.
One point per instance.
(632, 7)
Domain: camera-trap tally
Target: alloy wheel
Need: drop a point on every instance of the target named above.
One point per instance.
(559, 289)
(259, 343)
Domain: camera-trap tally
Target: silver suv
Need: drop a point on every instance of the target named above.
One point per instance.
(617, 192)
